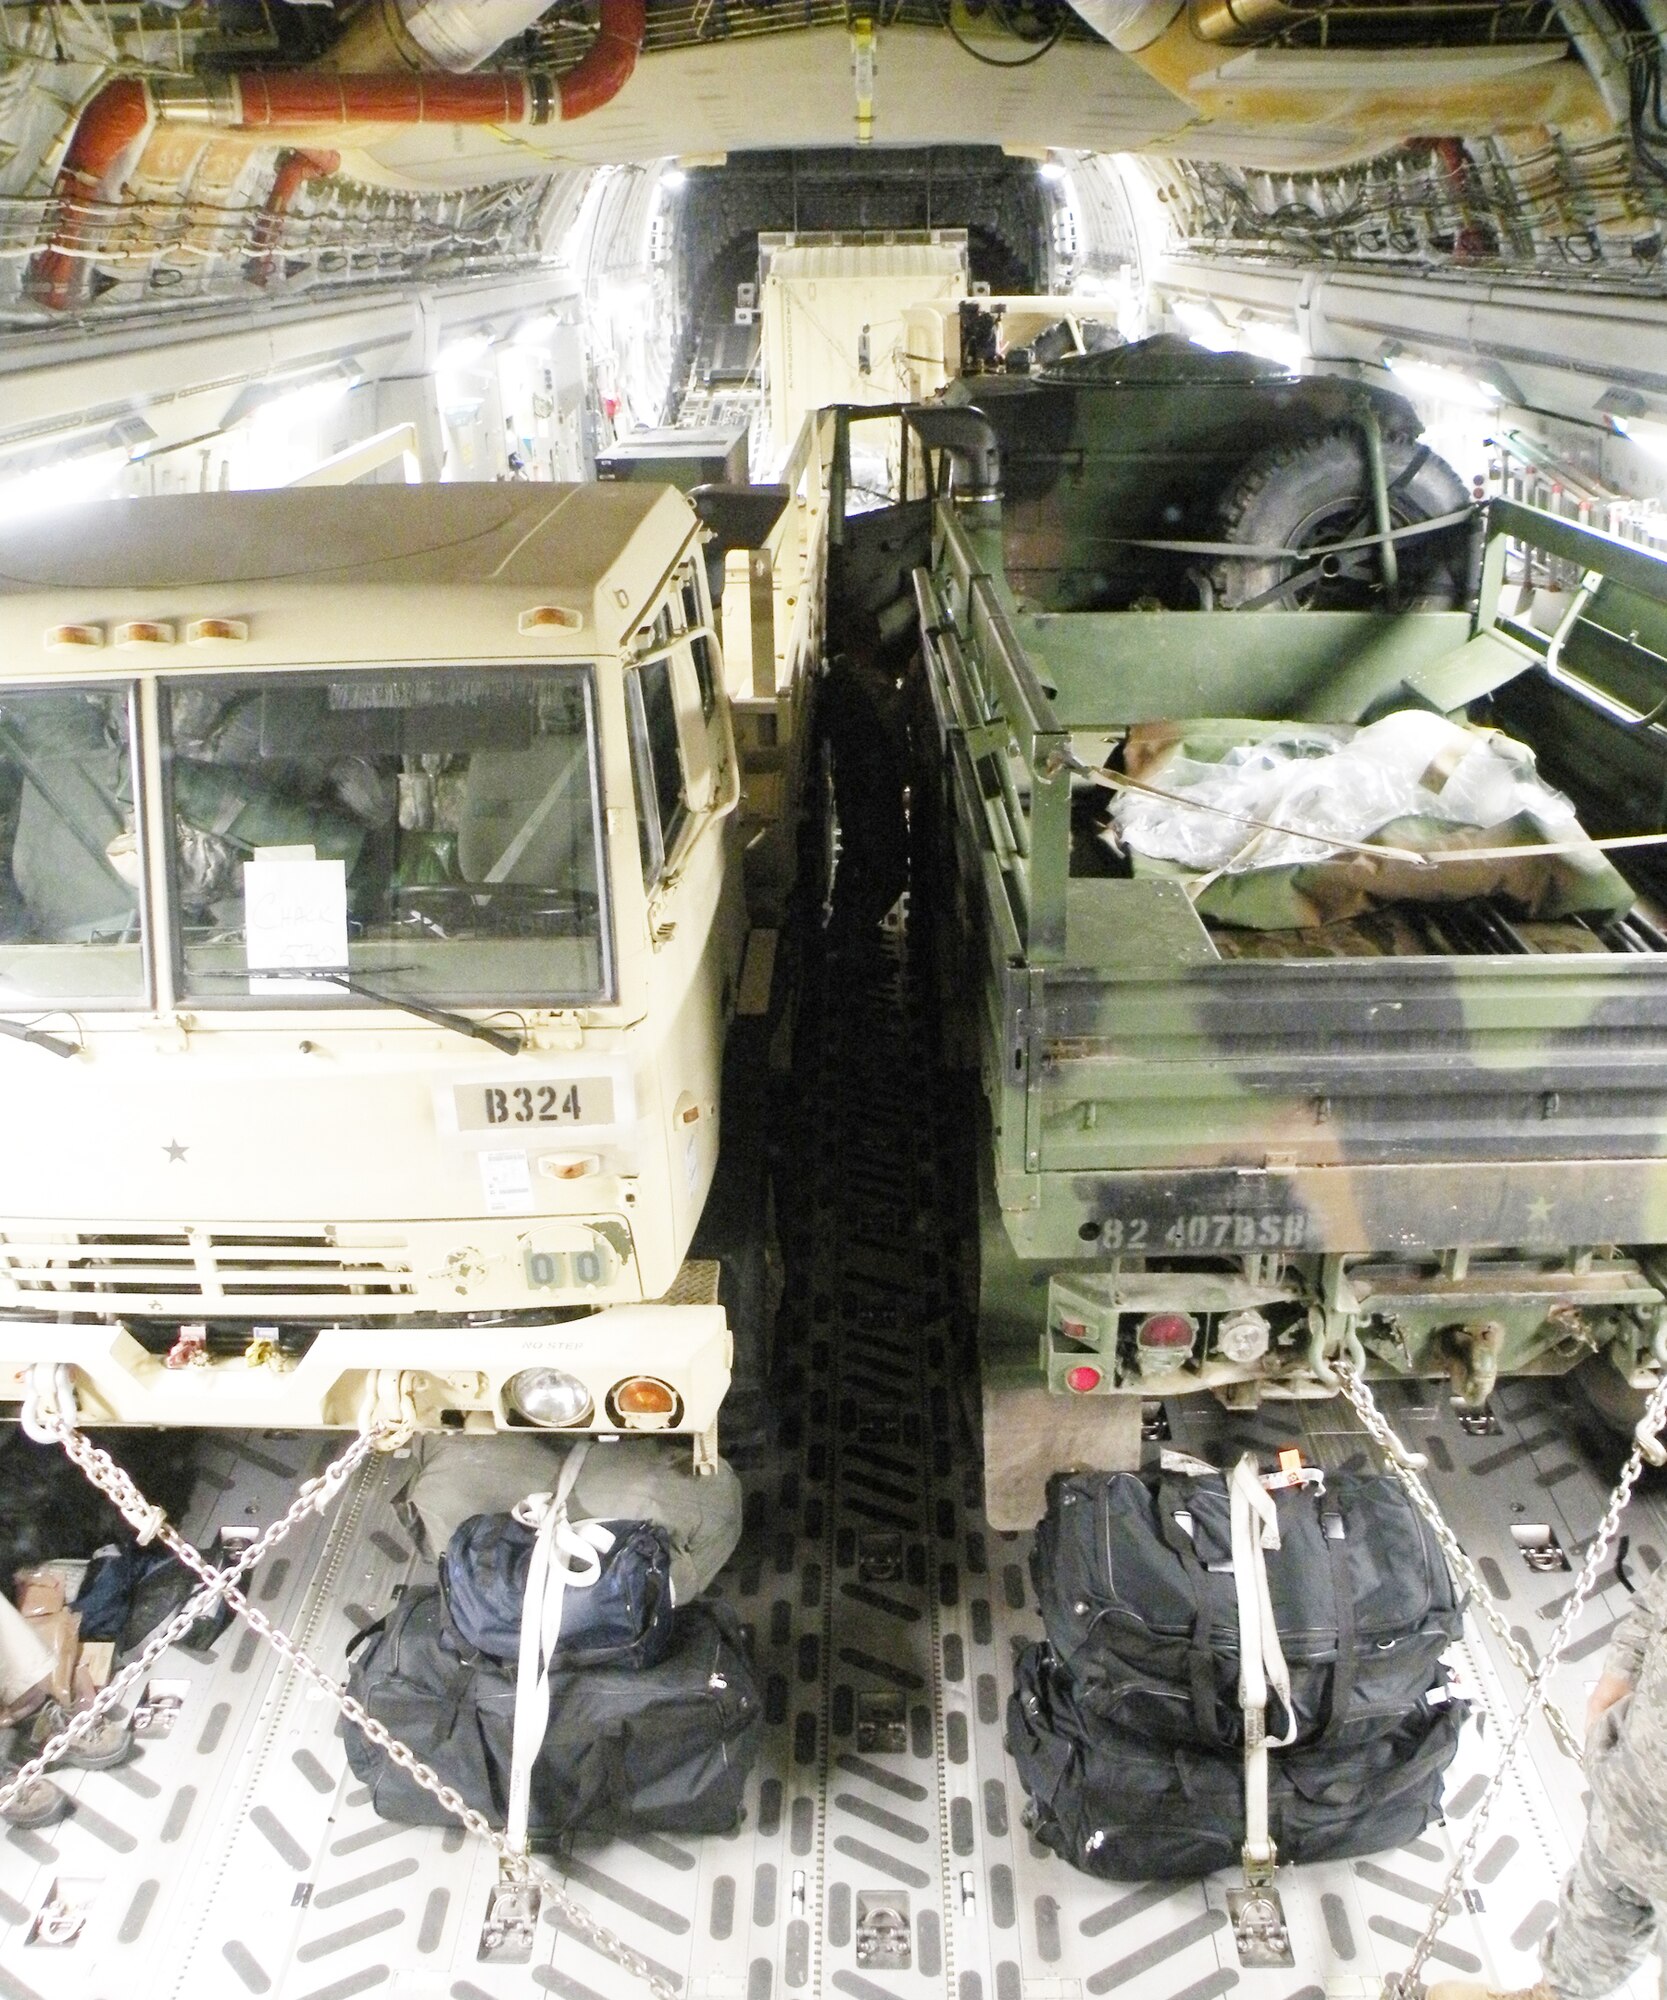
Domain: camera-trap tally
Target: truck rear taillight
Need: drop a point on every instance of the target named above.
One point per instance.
(1171, 1331)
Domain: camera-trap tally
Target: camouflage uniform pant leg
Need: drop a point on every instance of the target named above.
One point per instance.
(1605, 1929)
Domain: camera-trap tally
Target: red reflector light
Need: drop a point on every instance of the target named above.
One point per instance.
(1165, 1330)
(1082, 1379)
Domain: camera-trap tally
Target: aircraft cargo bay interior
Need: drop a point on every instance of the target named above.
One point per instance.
(833, 999)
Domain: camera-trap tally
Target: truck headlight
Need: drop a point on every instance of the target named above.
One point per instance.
(549, 1397)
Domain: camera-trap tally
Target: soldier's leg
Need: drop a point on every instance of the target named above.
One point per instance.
(1604, 1930)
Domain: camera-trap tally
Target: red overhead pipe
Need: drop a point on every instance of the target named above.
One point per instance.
(308, 97)
(295, 169)
(606, 66)
(1472, 239)
(120, 115)
(111, 126)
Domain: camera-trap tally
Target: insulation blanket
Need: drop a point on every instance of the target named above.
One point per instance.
(1413, 781)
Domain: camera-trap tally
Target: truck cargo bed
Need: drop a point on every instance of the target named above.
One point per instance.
(1482, 929)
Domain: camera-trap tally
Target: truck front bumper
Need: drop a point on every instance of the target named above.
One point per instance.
(437, 1378)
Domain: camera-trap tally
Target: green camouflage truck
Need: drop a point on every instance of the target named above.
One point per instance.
(1242, 1120)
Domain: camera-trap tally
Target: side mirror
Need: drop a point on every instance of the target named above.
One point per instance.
(738, 517)
(970, 439)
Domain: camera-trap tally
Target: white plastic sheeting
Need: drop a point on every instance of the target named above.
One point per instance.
(1329, 785)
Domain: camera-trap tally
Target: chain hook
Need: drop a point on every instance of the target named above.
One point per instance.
(1329, 1354)
(49, 1405)
(388, 1413)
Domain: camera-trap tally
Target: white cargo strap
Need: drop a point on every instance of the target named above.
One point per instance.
(565, 1557)
(1255, 1528)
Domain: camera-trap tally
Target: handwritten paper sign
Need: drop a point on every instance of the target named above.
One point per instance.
(294, 918)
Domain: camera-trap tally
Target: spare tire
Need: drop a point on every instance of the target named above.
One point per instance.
(1316, 492)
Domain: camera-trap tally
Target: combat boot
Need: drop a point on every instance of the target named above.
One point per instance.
(108, 1742)
(40, 1803)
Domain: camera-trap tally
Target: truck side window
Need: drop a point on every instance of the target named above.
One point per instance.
(700, 646)
(656, 764)
(70, 865)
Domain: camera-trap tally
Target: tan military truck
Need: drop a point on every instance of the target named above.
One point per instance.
(371, 917)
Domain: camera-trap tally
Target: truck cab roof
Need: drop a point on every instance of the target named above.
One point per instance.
(596, 551)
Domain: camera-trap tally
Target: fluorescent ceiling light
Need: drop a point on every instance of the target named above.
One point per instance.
(277, 389)
(131, 433)
(1206, 328)
(1051, 170)
(1619, 402)
(1447, 385)
(298, 406)
(466, 352)
(672, 179)
(1282, 344)
(1648, 436)
(89, 477)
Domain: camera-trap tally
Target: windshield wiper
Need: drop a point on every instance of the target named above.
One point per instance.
(442, 1017)
(53, 1044)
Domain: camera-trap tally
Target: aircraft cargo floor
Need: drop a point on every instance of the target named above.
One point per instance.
(883, 1851)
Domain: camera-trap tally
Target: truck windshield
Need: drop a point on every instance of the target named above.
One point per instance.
(457, 811)
(69, 864)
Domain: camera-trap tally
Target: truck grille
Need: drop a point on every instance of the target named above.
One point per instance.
(178, 1270)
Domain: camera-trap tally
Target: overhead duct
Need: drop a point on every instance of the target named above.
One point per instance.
(454, 35)
(1128, 24)
(460, 35)
(1226, 59)
(103, 148)
(295, 168)
(1244, 20)
(118, 120)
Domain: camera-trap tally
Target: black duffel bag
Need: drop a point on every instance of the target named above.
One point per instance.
(1116, 1805)
(662, 1749)
(623, 1619)
(1135, 1577)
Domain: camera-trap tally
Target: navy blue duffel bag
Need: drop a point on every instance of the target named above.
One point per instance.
(623, 1619)
(667, 1749)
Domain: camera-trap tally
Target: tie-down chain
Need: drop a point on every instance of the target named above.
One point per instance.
(1407, 1466)
(52, 1418)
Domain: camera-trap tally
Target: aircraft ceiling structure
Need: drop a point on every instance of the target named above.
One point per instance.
(155, 155)
(173, 166)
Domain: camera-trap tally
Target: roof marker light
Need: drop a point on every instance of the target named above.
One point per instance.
(203, 631)
(542, 617)
(145, 632)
